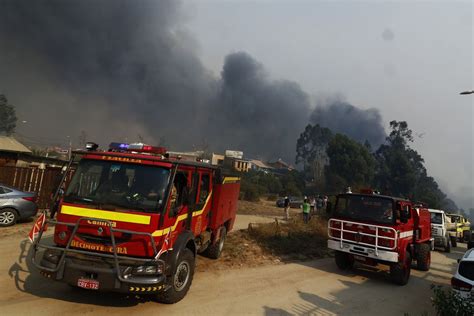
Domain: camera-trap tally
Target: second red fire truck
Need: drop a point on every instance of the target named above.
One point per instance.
(133, 220)
(371, 229)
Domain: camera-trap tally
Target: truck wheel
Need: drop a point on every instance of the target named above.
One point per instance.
(454, 243)
(451, 242)
(466, 236)
(180, 280)
(214, 251)
(423, 257)
(400, 271)
(8, 217)
(343, 260)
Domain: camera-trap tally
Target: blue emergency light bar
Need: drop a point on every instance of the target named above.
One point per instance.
(137, 147)
(118, 146)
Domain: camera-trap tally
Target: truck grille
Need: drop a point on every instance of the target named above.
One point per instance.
(104, 240)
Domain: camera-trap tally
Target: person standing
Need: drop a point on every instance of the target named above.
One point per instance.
(320, 203)
(287, 208)
(312, 204)
(306, 210)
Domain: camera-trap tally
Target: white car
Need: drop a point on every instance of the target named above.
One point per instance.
(463, 280)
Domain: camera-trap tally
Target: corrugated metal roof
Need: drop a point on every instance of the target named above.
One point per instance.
(10, 144)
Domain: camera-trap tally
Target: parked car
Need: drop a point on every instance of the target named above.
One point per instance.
(294, 202)
(463, 280)
(15, 205)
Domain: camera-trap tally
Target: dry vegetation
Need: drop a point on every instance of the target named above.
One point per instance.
(263, 208)
(271, 243)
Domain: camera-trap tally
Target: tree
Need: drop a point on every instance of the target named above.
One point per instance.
(398, 166)
(311, 151)
(350, 164)
(401, 171)
(7, 116)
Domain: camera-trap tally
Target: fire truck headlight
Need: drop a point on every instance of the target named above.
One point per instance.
(148, 269)
(51, 256)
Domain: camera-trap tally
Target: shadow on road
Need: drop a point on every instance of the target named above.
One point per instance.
(27, 279)
(365, 288)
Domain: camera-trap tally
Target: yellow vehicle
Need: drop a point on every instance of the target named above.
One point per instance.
(462, 228)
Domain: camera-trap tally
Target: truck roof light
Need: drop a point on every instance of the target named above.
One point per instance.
(143, 148)
(90, 146)
(118, 146)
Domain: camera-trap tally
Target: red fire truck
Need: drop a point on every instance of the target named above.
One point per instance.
(132, 219)
(372, 229)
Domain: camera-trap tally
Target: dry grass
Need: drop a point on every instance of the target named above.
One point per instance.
(263, 207)
(271, 243)
(240, 251)
(294, 240)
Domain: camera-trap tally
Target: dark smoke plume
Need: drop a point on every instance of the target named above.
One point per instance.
(263, 116)
(343, 117)
(116, 69)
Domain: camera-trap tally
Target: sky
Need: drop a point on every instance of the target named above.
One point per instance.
(409, 59)
(244, 74)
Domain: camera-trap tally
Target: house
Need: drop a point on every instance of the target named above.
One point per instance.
(280, 164)
(259, 165)
(11, 151)
(15, 154)
(242, 165)
(217, 160)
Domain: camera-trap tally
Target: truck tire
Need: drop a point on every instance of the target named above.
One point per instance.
(400, 271)
(466, 236)
(8, 217)
(180, 280)
(423, 257)
(454, 243)
(343, 260)
(451, 242)
(214, 251)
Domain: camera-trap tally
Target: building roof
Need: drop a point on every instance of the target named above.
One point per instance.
(10, 144)
(260, 164)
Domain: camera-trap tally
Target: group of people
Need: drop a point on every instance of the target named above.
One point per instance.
(311, 206)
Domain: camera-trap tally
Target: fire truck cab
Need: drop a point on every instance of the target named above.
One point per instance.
(376, 229)
(133, 220)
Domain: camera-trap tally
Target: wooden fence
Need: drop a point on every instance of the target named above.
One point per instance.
(41, 181)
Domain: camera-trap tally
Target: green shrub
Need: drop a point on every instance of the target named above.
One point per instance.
(449, 303)
(251, 193)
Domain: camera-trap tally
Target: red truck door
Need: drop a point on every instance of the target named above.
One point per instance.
(176, 214)
(200, 219)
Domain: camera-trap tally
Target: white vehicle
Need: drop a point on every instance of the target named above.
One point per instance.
(440, 227)
(463, 280)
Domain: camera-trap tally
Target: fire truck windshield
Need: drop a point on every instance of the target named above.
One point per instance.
(365, 208)
(119, 186)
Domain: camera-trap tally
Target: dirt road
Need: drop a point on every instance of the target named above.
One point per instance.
(314, 288)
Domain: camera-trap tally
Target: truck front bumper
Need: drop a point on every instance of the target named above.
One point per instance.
(71, 272)
(381, 255)
(440, 241)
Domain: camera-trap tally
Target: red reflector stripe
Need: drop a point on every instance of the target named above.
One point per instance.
(29, 198)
